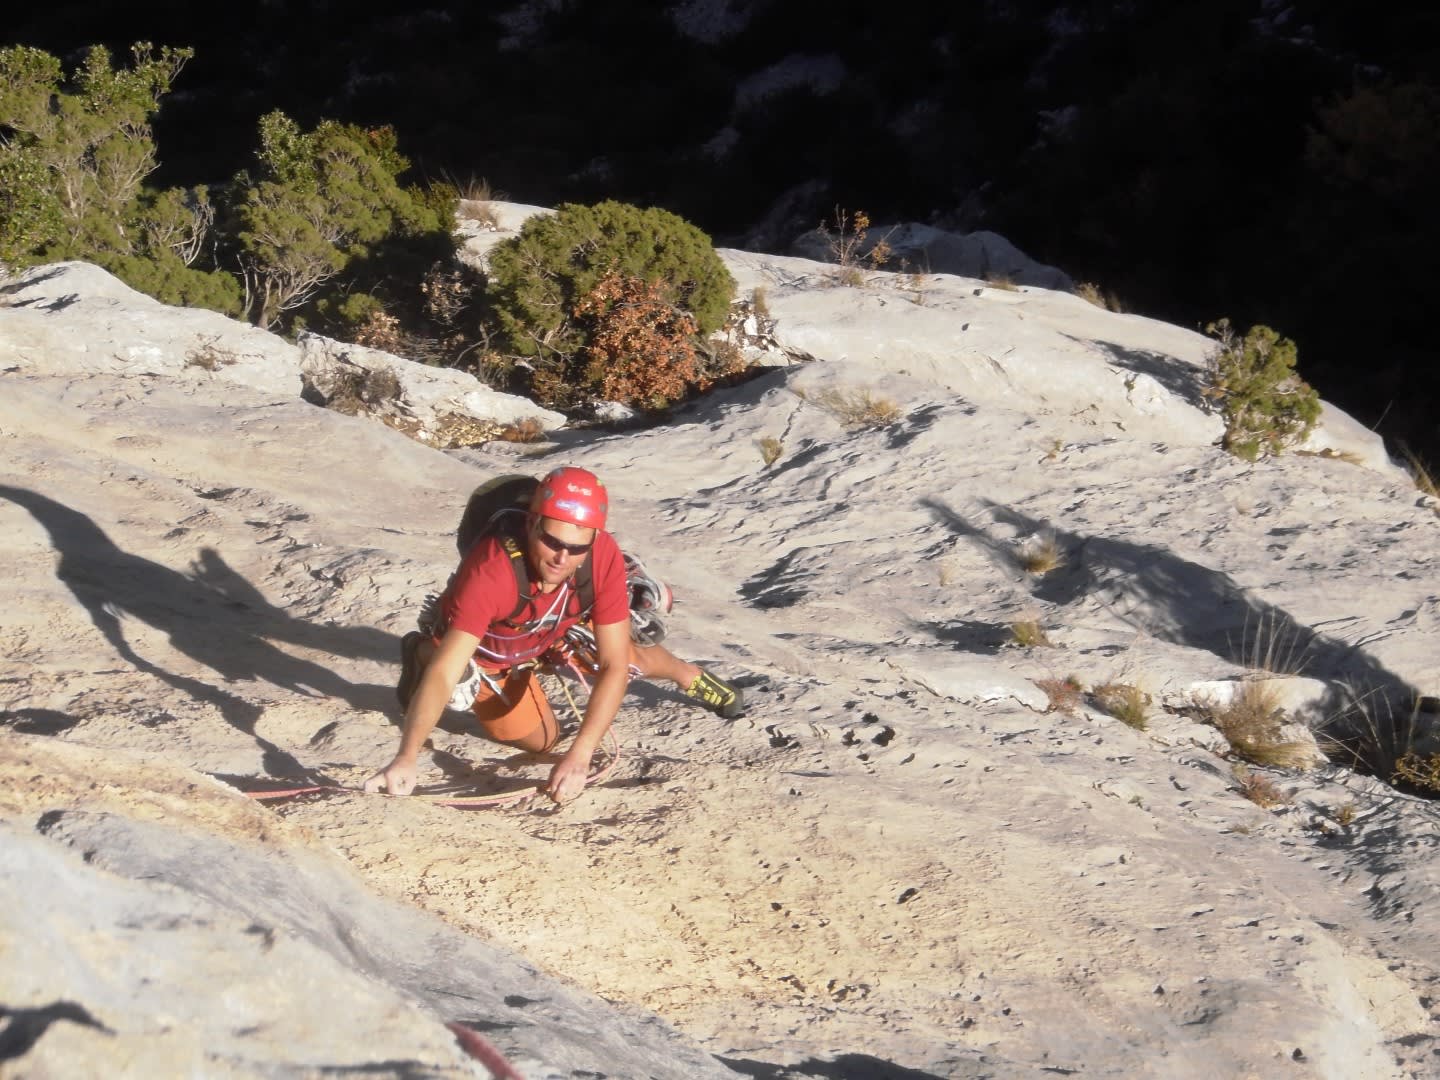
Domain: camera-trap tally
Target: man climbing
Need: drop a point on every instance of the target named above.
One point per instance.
(517, 591)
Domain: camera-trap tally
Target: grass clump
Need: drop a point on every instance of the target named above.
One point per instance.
(1029, 634)
(1041, 555)
(1126, 702)
(1420, 473)
(210, 356)
(916, 282)
(1264, 402)
(1252, 721)
(770, 450)
(1273, 646)
(475, 199)
(357, 391)
(1259, 788)
(527, 429)
(1065, 694)
(858, 408)
(1093, 294)
(1386, 738)
(760, 301)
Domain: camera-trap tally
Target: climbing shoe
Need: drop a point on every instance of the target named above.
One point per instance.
(409, 667)
(719, 697)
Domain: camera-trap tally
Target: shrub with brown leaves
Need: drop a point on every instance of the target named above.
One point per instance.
(641, 350)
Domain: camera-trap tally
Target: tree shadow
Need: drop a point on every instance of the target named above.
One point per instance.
(1185, 603)
(212, 615)
(1181, 380)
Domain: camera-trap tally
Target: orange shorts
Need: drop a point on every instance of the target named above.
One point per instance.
(523, 709)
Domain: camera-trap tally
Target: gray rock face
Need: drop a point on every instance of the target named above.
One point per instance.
(74, 318)
(924, 249)
(430, 397)
(143, 947)
(929, 849)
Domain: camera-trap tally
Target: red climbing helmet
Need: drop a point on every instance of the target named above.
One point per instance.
(573, 495)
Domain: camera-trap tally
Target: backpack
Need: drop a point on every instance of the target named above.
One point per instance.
(497, 508)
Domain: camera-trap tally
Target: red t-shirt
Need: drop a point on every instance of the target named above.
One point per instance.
(482, 592)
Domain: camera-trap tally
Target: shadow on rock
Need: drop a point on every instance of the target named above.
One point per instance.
(842, 1067)
(25, 1027)
(212, 615)
(1185, 603)
(1181, 380)
(38, 721)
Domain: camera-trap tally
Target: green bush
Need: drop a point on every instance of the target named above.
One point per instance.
(541, 278)
(30, 214)
(1265, 404)
(318, 202)
(76, 151)
(170, 281)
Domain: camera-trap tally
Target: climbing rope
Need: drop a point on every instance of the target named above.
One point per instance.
(508, 798)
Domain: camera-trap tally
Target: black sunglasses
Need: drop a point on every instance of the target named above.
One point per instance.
(558, 546)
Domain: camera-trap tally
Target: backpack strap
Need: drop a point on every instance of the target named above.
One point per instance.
(522, 576)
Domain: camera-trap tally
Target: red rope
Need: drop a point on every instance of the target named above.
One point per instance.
(483, 1051)
(504, 799)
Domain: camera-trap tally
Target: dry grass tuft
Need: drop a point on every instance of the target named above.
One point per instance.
(209, 355)
(917, 283)
(475, 196)
(1040, 555)
(1126, 702)
(1382, 737)
(858, 408)
(1093, 294)
(770, 450)
(1251, 724)
(1029, 634)
(1001, 282)
(1065, 694)
(527, 429)
(760, 301)
(1350, 457)
(1420, 472)
(1259, 788)
(1274, 645)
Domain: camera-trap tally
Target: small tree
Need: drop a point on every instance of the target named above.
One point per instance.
(74, 155)
(77, 152)
(1265, 403)
(318, 202)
